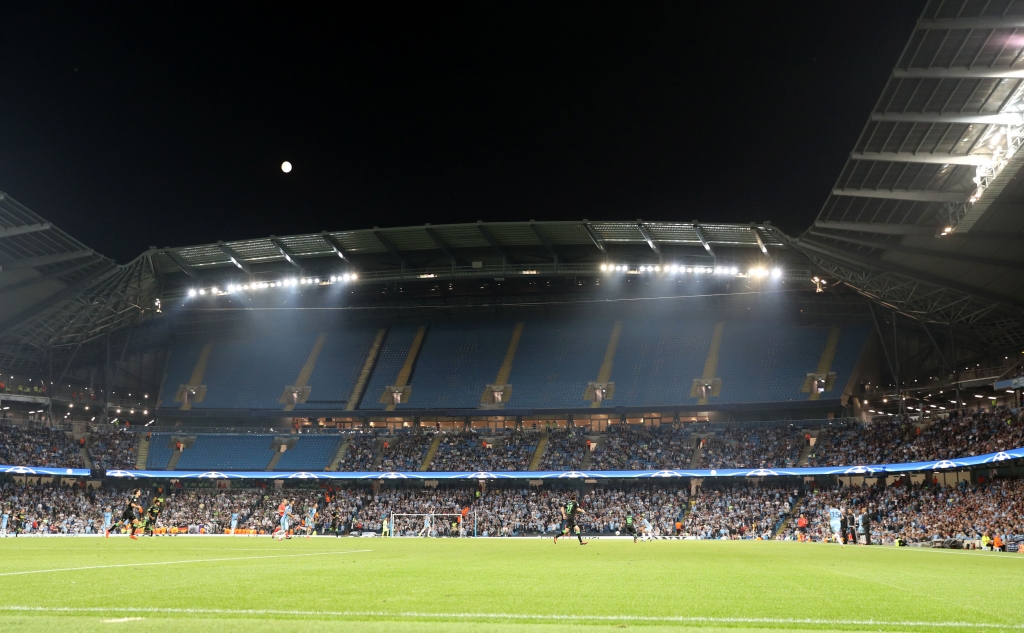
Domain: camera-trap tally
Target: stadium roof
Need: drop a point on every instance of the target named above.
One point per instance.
(483, 249)
(927, 216)
(56, 291)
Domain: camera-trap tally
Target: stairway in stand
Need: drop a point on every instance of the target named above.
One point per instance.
(425, 466)
(141, 452)
(340, 455)
(538, 453)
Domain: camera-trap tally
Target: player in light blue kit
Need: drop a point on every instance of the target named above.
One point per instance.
(3, 521)
(108, 521)
(310, 521)
(234, 522)
(835, 517)
(646, 528)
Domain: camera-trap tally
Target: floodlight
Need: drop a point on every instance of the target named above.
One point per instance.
(604, 267)
(776, 273)
(191, 293)
(354, 277)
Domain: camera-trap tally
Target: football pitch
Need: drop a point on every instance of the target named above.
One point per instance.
(371, 584)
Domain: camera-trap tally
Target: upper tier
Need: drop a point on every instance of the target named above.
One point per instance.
(533, 364)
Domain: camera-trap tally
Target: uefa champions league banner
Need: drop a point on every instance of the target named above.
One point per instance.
(44, 471)
(990, 459)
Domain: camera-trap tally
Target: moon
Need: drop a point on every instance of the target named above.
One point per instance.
(286, 167)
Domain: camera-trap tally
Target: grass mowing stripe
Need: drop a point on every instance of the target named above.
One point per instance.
(177, 562)
(509, 616)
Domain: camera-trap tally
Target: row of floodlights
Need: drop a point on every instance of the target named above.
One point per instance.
(775, 273)
(263, 285)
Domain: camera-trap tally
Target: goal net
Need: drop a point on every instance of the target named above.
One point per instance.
(429, 525)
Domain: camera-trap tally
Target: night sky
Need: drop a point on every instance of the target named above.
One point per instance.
(130, 125)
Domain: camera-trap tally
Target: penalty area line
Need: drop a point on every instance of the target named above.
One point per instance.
(178, 562)
(506, 616)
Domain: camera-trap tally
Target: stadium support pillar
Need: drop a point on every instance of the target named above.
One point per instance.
(896, 358)
(956, 367)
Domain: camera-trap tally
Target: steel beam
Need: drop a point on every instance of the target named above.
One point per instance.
(185, 267)
(650, 240)
(757, 236)
(876, 227)
(548, 246)
(289, 256)
(444, 247)
(858, 259)
(335, 246)
(53, 274)
(43, 260)
(391, 248)
(61, 295)
(925, 252)
(933, 159)
(20, 230)
(594, 237)
(912, 196)
(493, 241)
(1008, 22)
(235, 258)
(1005, 118)
(703, 239)
(979, 72)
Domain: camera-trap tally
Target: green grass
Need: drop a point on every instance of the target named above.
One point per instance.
(257, 584)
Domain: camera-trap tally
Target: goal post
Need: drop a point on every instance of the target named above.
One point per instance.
(427, 524)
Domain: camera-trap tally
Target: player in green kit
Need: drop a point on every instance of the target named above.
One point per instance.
(631, 525)
(569, 512)
(152, 513)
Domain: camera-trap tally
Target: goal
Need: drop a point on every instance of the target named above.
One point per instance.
(430, 525)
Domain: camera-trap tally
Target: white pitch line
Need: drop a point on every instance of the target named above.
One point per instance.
(177, 562)
(507, 616)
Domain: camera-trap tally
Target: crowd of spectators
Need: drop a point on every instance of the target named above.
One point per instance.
(766, 447)
(639, 447)
(361, 451)
(405, 451)
(112, 447)
(912, 513)
(468, 451)
(38, 446)
(852, 443)
(737, 512)
(565, 450)
(56, 508)
(963, 436)
(917, 513)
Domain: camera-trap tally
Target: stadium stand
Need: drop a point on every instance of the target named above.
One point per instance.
(405, 451)
(655, 362)
(112, 448)
(360, 453)
(638, 447)
(469, 451)
(455, 364)
(253, 374)
(931, 514)
(337, 368)
(228, 452)
(390, 360)
(37, 446)
(310, 453)
(564, 451)
(767, 447)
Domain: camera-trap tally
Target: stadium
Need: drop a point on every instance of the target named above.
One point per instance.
(749, 428)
